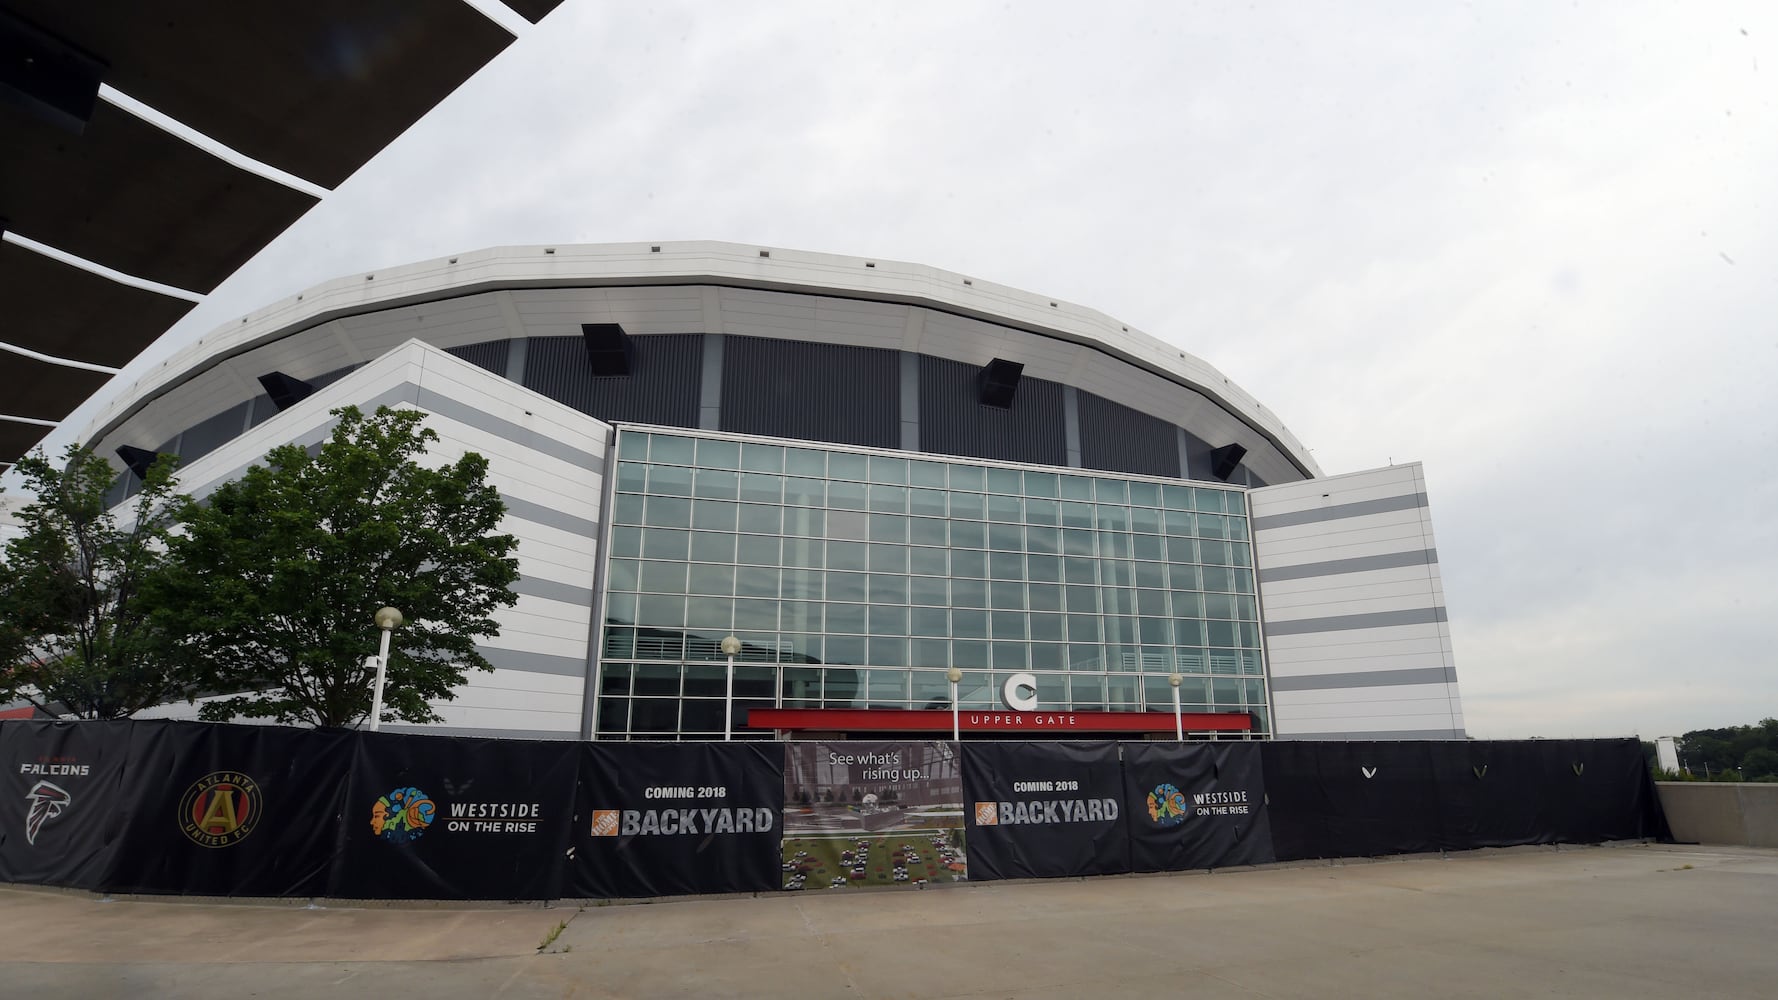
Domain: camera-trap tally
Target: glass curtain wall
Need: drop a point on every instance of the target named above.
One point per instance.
(856, 579)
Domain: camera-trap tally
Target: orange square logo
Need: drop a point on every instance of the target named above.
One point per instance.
(987, 814)
(605, 822)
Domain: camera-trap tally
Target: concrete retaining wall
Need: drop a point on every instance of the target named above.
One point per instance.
(1721, 812)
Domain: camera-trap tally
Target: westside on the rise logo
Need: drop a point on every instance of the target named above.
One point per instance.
(402, 815)
(47, 801)
(406, 813)
(1167, 805)
(220, 809)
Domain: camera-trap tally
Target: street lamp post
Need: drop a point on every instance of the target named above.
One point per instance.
(954, 675)
(730, 646)
(388, 619)
(1178, 720)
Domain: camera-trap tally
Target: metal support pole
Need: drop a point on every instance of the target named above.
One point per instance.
(1178, 720)
(728, 702)
(954, 675)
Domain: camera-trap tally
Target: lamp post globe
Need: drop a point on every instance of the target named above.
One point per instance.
(954, 675)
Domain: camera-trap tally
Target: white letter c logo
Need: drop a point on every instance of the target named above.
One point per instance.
(1010, 693)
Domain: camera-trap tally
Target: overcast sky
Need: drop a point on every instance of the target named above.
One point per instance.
(1532, 245)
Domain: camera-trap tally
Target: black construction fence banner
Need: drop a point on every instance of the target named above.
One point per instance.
(1505, 793)
(441, 817)
(862, 813)
(1044, 810)
(59, 785)
(216, 810)
(1195, 805)
(1351, 800)
(666, 819)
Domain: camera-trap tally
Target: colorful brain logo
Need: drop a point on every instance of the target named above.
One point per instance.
(1167, 805)
(402, 815)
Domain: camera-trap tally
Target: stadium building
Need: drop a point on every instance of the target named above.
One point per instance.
(868, 472)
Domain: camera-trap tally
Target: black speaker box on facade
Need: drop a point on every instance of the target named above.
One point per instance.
(285, 390)
(608, 348)
(138, 460)
(998, 382)
(1224, 460)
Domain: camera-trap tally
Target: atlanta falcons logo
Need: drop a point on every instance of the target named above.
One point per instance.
(47, 802)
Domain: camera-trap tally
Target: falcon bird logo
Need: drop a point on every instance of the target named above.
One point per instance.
(47, 802)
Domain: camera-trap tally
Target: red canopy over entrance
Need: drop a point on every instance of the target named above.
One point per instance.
(876, 720)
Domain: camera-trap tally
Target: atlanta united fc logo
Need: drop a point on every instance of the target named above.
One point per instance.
(220, 809)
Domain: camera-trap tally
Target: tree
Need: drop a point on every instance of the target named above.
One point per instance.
(75, 630)
(277, 576)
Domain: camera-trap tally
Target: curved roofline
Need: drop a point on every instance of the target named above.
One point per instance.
(732, 265)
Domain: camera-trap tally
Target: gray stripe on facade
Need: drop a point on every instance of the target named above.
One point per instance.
(1366, 678)
(1357, 564)
(537, 513)
(1402, 734)
(516, 353)
(534, 663)
(710, 385)
(481, 420)
(475, 731)
(910, 401)
(1342, 623)
(1071, 424)
(1338, 511)
(532, 586)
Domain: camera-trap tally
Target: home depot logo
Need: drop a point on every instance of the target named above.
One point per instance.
(670, 822)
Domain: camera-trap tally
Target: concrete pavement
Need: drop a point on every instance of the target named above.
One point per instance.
(1638, 921)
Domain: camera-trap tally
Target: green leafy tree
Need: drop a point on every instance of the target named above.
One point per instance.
(277, 576)
(75, 620)
(1761, 762)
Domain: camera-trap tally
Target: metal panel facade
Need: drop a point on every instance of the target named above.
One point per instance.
(1119, 439)
(954, 422)
(488, 356)
(818, 392)
(662, 387)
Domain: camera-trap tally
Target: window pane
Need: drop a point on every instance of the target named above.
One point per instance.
(928, 590)
(761, 488)
(967, 505)
(889, 499)
(847, 618)
(807, 492)
(1006, 566)
(930, 562)
(1077, 488)
(627, 509)
(969, 593)
(847, 496)
(926, 473)
(928, 531)
(804, 522)
(663, 577)
(848, 555)
(668, 480)
(848, 587)
(888, 589)
(969, 562)
(761, 518)
(669, 512)
(930, 621)
(805, 462)
(888, 470)
(888, 528)
(1005, 508)
(717, 484)
(887, 620)
(846, 465)
(713, 580)
(930, 503)
(759, 549)
(966, 477)
(969, 624)
(757, 582)
(665, 543)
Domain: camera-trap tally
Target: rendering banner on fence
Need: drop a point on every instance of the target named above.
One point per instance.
(215, 810)
(666, 819)
(872, 813)
(437, 817)
(1195, 805)
(1042, 810)
(58, 800)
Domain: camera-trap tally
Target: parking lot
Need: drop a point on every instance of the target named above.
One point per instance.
(1625, 921)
